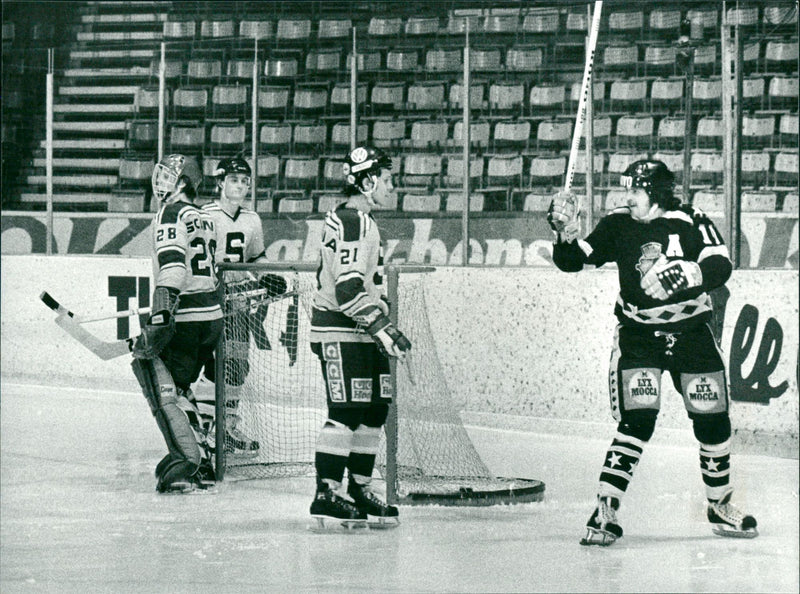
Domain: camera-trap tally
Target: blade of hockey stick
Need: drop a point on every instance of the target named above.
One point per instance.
(67, 320)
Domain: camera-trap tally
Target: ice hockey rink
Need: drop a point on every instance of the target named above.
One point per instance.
(79, 513)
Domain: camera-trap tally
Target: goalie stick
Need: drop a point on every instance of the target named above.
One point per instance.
(69, 322)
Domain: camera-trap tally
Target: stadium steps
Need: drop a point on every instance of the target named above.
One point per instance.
(75, 181)
(86, 163)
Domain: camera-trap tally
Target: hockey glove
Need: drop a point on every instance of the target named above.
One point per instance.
(391, 342)
(274, 284)
(383, 303)
(160, 325)
(665, 278)
(562, 216)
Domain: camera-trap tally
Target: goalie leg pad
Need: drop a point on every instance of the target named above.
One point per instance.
(161, 395)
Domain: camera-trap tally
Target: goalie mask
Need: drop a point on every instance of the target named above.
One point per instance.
(655, 178)
(364, 162)
(171, 171)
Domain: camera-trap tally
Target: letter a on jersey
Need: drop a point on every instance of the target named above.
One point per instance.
(674, 249)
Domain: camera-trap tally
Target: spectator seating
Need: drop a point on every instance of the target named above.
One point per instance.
(511, 135)
(273, 101)
(628, 95)
(782, 92)
(227, 139)
(421, 169)
(504, 171)
(709, 201)
(757, 130)
(709, 132)
(506, 98)
(455, 96)
(454, 173)
(671, 131)
(426, 96)
(635, 131)
(479, 133)
(666, 94)
(759, 201)
(454, 202)
(340, 97)
(340, 136)
(388, 133)
(428, 135)
(788, 130)
(547, 170)
(230, 101)
(275, 137)
(755, 168)
(554, 135)
(786, 168)
(421, 202)
(790, 203)
(547, 98)
(706, 167)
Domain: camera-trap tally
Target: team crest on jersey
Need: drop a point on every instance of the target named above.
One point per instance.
(650, 253)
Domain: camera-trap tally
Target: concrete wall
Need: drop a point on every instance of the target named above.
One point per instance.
(527, 348)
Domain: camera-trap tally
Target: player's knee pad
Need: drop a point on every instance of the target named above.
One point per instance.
(638, 423)
(712, 429)
(375, 415)
(349, 417)
(236, 371)
(161, 395)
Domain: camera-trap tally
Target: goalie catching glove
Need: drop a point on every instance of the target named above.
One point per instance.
(160, 325)
(391, 342)
(666, 278)
(562, 216)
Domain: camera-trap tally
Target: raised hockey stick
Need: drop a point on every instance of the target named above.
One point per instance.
(69, 322)
(584, 97)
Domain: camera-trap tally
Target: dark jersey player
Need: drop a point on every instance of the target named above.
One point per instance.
(668, 257)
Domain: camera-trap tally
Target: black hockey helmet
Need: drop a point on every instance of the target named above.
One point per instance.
(362, 162)
(655, 178)
(232, 165)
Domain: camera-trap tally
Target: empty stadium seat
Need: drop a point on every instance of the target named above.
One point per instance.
(757, 130)
(454, 202)
(333, 173)
(553, 135)
(421, 202)
(388, 133)
(324, 62)
(368, 61)
(227, 139)
(340, 97)
(579, 174)
(790, 203)
(746, 17)
(190, 102)
(702, 19)
(780, 55)
(428, 134)
(421, 26)
(275, 137)
(388, 27)
(310, 100)
(664, 23)
(292, 203)
(282, 67)
(426, 96)
(511, 134)
(666, 94)
(753, 88)
(329, 202)
(402, 59)
(458, 19)
(788, 130)
(443, 60)
(187, 139)
(709, 132)
(179, 30)
(479, 133)
(782, 92)
(547, 98)
(477, 96)
(267, 169)
(145, 100)
(256, 29)
(620, 59)
(635, 131)
(659, 60)
(172, 69)
(524, 58)
(705, 59)
(759, 201)
(540, 22)
(142, 135)
(781, 20)
(547, 170)
(485, 59)
(706, 167)
(626, 24)
(786, 168)
(387, 97)
(537, 201)
(135, 172)
(334, 30)
(301, 172)
(240, 70)
(340, 135)
(506, 97)
(309, 136)
(709, 201)
(200, 71)
(217, 29)
(421, 169)
(273, 101)
(599, 93)
(230, 101)
(505, 171)
(628, 95)
(454, 173)
(297, 31)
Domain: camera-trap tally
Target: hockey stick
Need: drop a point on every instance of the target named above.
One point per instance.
(69, 322)
(584, 97)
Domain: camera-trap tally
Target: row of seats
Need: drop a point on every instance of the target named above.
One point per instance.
(629, 59)
(301, 100)
(759, 130)
(709, 200)
(533, 21)
(758, 168)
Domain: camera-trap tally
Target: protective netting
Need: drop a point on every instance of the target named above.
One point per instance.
(282, 398)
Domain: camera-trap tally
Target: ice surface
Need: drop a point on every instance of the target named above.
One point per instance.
(78, 512)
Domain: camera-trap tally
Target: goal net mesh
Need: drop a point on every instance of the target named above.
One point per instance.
(281, 396)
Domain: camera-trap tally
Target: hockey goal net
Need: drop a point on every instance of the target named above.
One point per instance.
(426, 455)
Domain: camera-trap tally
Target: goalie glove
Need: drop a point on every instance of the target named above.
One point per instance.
(160, 325)
(666, 278)
(562, 216)
(391, 342)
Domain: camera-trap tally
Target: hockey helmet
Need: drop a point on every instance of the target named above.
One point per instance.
(655, 178)
(169, 171)
(362, 162)
(232, 165)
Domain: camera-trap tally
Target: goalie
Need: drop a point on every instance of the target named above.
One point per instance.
(353, 337)
(239, 238)
(184, 325)
(668, 257)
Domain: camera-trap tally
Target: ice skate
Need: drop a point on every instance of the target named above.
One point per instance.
(331, 510)
(602, 528)
(237, 442)
(727, 520)
(379, 514)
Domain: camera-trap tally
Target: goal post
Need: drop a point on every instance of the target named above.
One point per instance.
(275, 381)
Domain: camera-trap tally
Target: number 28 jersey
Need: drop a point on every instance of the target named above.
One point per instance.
(183, 258)
(349, 283)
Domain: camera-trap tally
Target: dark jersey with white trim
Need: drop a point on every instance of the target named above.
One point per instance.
(183, 258)
(348, 278)
(681, 234)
